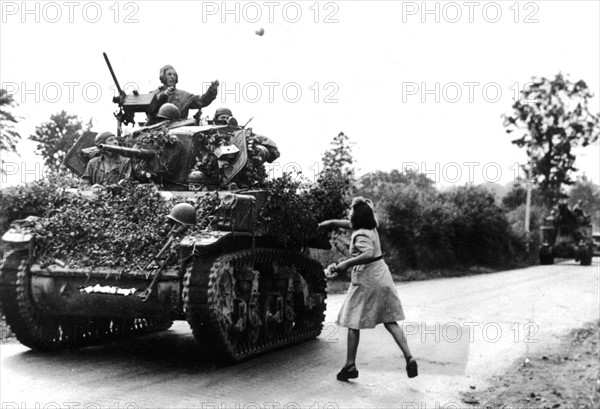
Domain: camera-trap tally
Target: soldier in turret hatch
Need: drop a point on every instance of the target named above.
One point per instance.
(108, 168)
(183, 100)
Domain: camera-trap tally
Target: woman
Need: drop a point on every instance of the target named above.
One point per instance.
(372, 298)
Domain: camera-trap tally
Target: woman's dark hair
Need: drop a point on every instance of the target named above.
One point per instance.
(362, 216)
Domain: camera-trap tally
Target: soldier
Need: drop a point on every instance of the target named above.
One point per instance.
(266, 147)
(108, 168)
(224, 116)
(183, 100)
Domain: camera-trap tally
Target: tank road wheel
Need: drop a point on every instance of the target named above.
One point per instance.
(271, 318)
(31, 326)
(249, 302)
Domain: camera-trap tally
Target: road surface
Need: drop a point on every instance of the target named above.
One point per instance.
(461, 331)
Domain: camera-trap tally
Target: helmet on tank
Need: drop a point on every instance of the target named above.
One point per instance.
(223, 116)
(263, 152)
(168, 111)
(222, 111)
(183, 213)
(196, 176)
(102, 137)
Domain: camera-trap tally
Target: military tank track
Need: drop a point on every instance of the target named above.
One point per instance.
(253, 301)
(45, 332)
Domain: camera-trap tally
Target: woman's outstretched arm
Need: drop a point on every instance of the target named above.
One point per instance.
(336, 224)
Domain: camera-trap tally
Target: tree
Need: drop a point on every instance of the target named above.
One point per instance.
(517, 196)
(8, 135)
(56, 137)
(331, 192)
(375, 185)
(553, 118)
(339, 156)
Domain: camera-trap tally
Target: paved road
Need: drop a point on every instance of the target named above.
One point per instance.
(462, 330)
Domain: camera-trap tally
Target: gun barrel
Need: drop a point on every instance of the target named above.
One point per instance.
(121, 93)
(145, 154)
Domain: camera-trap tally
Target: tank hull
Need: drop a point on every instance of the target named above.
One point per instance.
(240, 300)
(63, 292)
(558, 243)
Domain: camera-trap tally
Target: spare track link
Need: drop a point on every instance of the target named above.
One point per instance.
(201, 303)
(45, 332)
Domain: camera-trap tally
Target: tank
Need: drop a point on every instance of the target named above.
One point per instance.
(241, 290)
(566, 233)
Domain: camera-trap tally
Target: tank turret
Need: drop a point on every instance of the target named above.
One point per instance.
(177, 155)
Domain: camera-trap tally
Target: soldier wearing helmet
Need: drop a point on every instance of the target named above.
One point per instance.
(183, 100)
(108, 168)
(224, 116)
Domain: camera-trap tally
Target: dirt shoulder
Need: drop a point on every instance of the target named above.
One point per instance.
(565, 375)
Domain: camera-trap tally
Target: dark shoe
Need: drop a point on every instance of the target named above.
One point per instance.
(411, 367)
(347, 372)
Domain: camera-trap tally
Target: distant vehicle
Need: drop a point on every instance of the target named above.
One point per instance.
(567, 233)
(596, 238)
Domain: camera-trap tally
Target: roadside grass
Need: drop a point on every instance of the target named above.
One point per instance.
(566, 374)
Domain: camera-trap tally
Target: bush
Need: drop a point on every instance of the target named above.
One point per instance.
(423, 229)
(33, 199)
(482, 234)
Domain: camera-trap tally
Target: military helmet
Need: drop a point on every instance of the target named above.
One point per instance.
(263, 152)
(183, 213)
(196, 176)
(102, 137)
(222, 111)
(168, 111)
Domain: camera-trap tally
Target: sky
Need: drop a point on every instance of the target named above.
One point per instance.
(415, 85)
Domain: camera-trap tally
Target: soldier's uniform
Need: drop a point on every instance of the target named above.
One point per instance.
(98, 171)
(185, 101)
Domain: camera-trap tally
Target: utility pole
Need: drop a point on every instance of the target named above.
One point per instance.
(527, 212)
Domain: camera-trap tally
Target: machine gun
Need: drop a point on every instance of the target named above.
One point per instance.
(130, 104)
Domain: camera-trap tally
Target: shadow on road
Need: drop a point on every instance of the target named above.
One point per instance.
(173, 350)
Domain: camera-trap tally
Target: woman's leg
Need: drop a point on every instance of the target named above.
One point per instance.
(399, 337)
(353, 338)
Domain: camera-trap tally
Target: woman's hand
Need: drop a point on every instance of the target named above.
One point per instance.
(324, 225)
(330, 271)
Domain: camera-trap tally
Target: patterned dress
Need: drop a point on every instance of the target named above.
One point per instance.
(372, 298)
